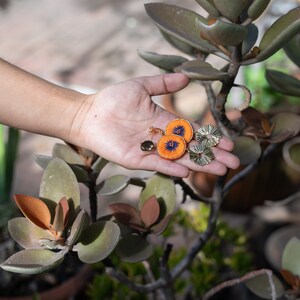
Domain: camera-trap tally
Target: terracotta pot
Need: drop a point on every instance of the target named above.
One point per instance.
(65, 290)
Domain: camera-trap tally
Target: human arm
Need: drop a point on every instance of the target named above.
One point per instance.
(111, 123)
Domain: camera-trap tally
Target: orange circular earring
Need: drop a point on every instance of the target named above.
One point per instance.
(171, 146)
(180, 127)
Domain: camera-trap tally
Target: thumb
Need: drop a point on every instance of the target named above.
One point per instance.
(164, 84)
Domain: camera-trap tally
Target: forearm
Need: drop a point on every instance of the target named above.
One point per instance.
(33, 104)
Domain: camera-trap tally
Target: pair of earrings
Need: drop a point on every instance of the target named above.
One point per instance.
(178, 133)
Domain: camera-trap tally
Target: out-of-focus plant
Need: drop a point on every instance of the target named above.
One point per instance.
(226, 253)
(9, 141)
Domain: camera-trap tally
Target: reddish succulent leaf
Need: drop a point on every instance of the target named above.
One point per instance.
(256, 119)
(34, 210)
(126, 214)
(61, 212)
(66, 209)
(161, 226)
(150, 211)
(291, 279)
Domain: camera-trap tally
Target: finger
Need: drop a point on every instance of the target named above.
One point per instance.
(164, 84)
(227, 158)
(154, 162)
(226, 144)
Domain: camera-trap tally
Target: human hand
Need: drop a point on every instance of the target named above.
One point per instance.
(114, 122)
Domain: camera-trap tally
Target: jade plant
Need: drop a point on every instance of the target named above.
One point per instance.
(55, 225)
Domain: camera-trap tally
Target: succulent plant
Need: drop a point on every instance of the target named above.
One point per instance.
(54, 225)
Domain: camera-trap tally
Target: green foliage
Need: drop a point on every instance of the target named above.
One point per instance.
(226, 252)
(9, 141)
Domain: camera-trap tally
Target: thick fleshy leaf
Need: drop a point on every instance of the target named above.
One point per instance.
(99, 164)
(230, 9)
(247, 149)
(80, 173)
(292, 280)
(59, 181)
(134, 248)
(165, 62)
(112, 185)
(27, 234)
(61, 215)
(179, 23)
(286, 122)
(261, 286)
(291, 153)
(260, 123)
(178, 44)
(66, 153)
(161, 226)
(290, 256)
(222, 33)
(283, 83)
(35, 210)
(127, 215)
(250, 38)
(97, 241)
(197, 69)
(291, 48)
(281, 31)
(80, 223)
(150, 211)
(209, 6)
(33, 261)
(163, 188)
(257, 8)
(42, 160)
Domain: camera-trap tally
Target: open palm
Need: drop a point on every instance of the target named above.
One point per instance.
(117, 119)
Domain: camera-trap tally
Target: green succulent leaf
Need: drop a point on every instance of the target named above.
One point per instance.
(97, 241)
(99, 164)
(222, 33)
(33, 261)
(112, 185)
(66, 153)
(27, 234)
(180, 23)
(199, 70)
(261, 286)
(178, 44)
(257, 8)
(292, 48)
(165, 62)
(230, 9)
(42, 160)
(250, 38)
(283, 83)
(59, 181)
(286, 122)
(163, 188)
(247, 149)
(80, 223)
(280, 32)
(290, 256)
(134, 248)
(291, 153)
(209, 6)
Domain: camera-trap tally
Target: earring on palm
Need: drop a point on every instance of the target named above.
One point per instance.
(173, 142)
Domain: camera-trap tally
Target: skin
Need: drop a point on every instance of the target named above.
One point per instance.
(112, 123)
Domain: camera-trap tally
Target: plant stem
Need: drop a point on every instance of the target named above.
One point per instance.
(93, 198)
